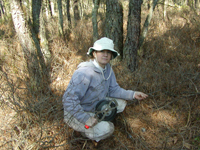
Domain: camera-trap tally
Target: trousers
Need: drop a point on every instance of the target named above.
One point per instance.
(101, 130)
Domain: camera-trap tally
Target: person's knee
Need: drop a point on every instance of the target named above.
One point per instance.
(121, 105)
(100, 131)
(104, 127)
(73, 122)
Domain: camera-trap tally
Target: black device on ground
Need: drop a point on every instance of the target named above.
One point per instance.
(106, 110)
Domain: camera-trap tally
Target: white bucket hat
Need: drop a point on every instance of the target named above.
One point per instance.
(103, 44)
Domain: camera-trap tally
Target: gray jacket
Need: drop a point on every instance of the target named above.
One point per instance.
(88, 86)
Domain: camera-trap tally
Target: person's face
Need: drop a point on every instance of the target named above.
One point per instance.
(103, 57)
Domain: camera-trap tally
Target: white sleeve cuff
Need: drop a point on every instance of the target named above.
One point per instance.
(134, 95)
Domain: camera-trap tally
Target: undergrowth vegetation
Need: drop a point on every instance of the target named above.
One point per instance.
(168, 72)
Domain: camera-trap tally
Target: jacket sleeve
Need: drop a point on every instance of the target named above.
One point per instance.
(73, 94)
(117, 92)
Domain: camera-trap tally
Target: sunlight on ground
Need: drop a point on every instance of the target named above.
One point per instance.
(155, 126)
(6, 118)
(164, 117)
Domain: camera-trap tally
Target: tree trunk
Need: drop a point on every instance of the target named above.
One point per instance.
(52, 8)
(43, 39)
(49, 7)
(36, 7)
(133, 32)
(28, 9)
(114, 24)
(94, 20)
(68, 14)
(196, 4)
(76, 12)
(27, 43)
(147, 22)
(60, 25)
(2, 12)
(165, 9)
(81, 8)
(46, 7)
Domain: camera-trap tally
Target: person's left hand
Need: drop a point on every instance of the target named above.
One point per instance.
(91, 122)
(140, 95)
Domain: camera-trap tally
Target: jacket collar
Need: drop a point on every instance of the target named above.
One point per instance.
(96, 69)
(98, 66)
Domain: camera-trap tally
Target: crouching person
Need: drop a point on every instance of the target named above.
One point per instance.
(93, 94)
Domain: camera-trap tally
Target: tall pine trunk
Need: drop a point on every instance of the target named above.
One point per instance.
(37, 69)
(114, 23)
(68, 14)
(76, 12)
(27, 43)
(133, 33)
(36, 8)
(94, 20)
(60, 25)
(2, 11)
(43, 38)
(147, 22)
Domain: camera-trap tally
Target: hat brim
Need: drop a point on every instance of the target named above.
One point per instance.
(91, 49)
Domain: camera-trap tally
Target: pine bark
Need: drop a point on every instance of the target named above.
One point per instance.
(133, 33)
(60, 25)
(50, 9)
(94, 20)
(27, 43)
(68, 14)
(36, 7)
(43, 38)
(76, 12)
(114, 24)
(147, 22)
(2, 12)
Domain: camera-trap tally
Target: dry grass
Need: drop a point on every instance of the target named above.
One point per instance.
(168, 72)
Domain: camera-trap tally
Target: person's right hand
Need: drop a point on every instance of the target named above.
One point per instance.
(140, 95)
(91, 122)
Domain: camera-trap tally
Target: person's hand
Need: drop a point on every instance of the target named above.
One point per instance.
(91, 122)
(140, 95)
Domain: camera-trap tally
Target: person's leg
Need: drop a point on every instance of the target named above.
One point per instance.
(121, 103)
(73, 122)
(100, 131)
